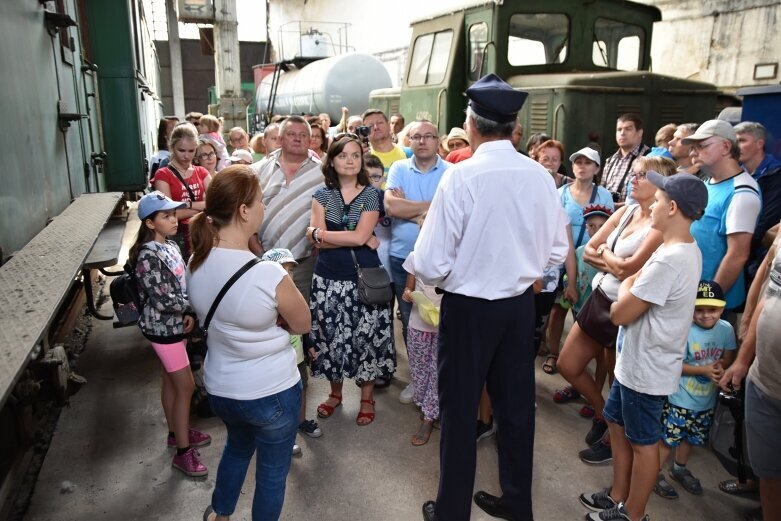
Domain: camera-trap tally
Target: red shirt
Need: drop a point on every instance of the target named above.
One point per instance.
(459, 155)
(178, 191)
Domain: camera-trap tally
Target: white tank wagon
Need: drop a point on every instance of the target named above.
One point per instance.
(326, 85)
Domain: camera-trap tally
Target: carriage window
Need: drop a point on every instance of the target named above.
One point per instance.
(478, 38)
(430, 54)
(538, 39)
(618, 45)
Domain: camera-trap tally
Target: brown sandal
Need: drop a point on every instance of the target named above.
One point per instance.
(325, 411)
(549, 366)
(369, 416)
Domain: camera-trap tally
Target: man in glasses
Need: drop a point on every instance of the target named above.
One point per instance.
(239, 139)
(410, 188)
(724, 233)
(494, 224)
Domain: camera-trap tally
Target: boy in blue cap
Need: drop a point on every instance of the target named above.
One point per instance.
(654, 307)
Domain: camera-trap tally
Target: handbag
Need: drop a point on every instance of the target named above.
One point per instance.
(594, 316)
(374, 284)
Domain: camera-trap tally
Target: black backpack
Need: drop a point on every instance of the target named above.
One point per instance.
(125, 297)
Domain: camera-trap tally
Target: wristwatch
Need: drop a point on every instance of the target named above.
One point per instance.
(601, 249)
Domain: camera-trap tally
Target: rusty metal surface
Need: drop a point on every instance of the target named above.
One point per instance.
(34, 283)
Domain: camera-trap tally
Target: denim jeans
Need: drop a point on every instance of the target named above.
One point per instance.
(399, 277)
(267, 425)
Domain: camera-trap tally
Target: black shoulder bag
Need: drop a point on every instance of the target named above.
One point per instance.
(236, 276)
(374, 284)
(181, 179)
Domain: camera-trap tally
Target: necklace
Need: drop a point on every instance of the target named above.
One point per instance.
(232, 245)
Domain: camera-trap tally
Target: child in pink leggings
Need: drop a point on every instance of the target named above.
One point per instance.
(164, 321)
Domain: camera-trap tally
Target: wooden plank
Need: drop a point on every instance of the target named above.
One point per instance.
(105, 252)
(35, 281)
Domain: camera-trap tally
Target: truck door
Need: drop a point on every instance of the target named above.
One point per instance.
(480, 47)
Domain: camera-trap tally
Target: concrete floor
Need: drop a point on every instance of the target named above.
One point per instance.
(108, 459)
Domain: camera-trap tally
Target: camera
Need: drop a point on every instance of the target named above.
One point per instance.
(363, 131)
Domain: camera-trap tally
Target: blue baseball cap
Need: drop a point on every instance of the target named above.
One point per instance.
(156, 202)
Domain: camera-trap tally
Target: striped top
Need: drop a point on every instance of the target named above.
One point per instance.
(288, 207)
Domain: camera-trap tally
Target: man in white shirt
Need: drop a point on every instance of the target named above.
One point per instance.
(494, 224)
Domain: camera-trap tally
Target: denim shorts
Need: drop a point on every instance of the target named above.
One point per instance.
(763, 421)
(639, 414)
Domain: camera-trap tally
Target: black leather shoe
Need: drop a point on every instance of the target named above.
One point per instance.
(429, 513)
(492, 505)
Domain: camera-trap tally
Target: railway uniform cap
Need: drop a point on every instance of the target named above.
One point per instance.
(156, 202)
(709, 293)
(712, 128)
(588, 153)
(494, 99)
(688, 192)
(456, 133)
(279, 255)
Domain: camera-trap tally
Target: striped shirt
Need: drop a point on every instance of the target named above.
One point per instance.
(288, 207)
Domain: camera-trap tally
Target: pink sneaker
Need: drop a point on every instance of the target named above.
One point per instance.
(190, 463)
(197, 439)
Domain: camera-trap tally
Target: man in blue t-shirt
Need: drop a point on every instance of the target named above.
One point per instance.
(724, 233)
(409, 190)
(688, 414)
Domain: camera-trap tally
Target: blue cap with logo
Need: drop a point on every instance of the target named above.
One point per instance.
(156, 202)
(493, 98)
(280, 255)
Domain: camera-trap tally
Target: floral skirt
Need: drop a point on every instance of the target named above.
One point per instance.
(352, 340)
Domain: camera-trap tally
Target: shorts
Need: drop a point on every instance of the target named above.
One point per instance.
(172, 356)
(639, 414)
(763, 422)
(686, 425)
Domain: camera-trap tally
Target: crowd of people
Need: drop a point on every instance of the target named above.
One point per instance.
(666, 257)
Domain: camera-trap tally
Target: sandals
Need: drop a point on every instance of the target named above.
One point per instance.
(566, 394)
(664, 489)
(324, 410)
(424, 433)
(549, 366)
(367, 416)
(209, 514)
(736, 488)
(691, 484)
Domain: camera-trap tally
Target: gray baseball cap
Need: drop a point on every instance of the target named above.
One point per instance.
(688, 192)
(711, 128)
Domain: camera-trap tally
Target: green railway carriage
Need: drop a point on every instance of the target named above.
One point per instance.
(583, 62)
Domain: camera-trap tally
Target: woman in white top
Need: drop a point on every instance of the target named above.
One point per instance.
(250, 371)
(617, 257)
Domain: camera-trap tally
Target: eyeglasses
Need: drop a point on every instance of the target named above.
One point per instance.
(426, 137)
(375, 177)
(702, 146)
(207, 155)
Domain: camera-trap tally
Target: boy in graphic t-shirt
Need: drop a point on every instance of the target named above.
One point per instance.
(654, 306)
(688, 413)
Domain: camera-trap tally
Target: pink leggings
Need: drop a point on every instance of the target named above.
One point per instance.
(173, 356)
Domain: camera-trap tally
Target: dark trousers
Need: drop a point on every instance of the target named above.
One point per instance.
(483, 341)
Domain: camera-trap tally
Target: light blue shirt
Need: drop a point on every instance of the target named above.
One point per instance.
(575, 211)
(417, 186)
(704, 346)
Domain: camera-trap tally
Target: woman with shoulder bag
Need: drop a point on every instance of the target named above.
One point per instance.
(350, 339)
(250, 370)
(619, 249)
(182, 181)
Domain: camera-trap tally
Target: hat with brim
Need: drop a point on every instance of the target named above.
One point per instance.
(157, 202)
(712, 128)
(456, 133)
(240, 155)
(427, 310)
(494, 99)
(279, 255)
(687, 190)
(588, 153)
(709, 293)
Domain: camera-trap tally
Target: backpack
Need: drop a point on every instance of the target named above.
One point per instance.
(125, 297)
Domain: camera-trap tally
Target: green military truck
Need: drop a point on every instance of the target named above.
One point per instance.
(583, 62)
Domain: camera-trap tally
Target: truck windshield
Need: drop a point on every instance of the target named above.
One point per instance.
(428, 63)
(617, 45)
(538, 38)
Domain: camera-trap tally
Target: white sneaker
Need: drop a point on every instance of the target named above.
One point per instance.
(296, 449)
(407, 394)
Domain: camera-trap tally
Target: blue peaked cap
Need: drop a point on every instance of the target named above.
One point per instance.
(493, 98)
